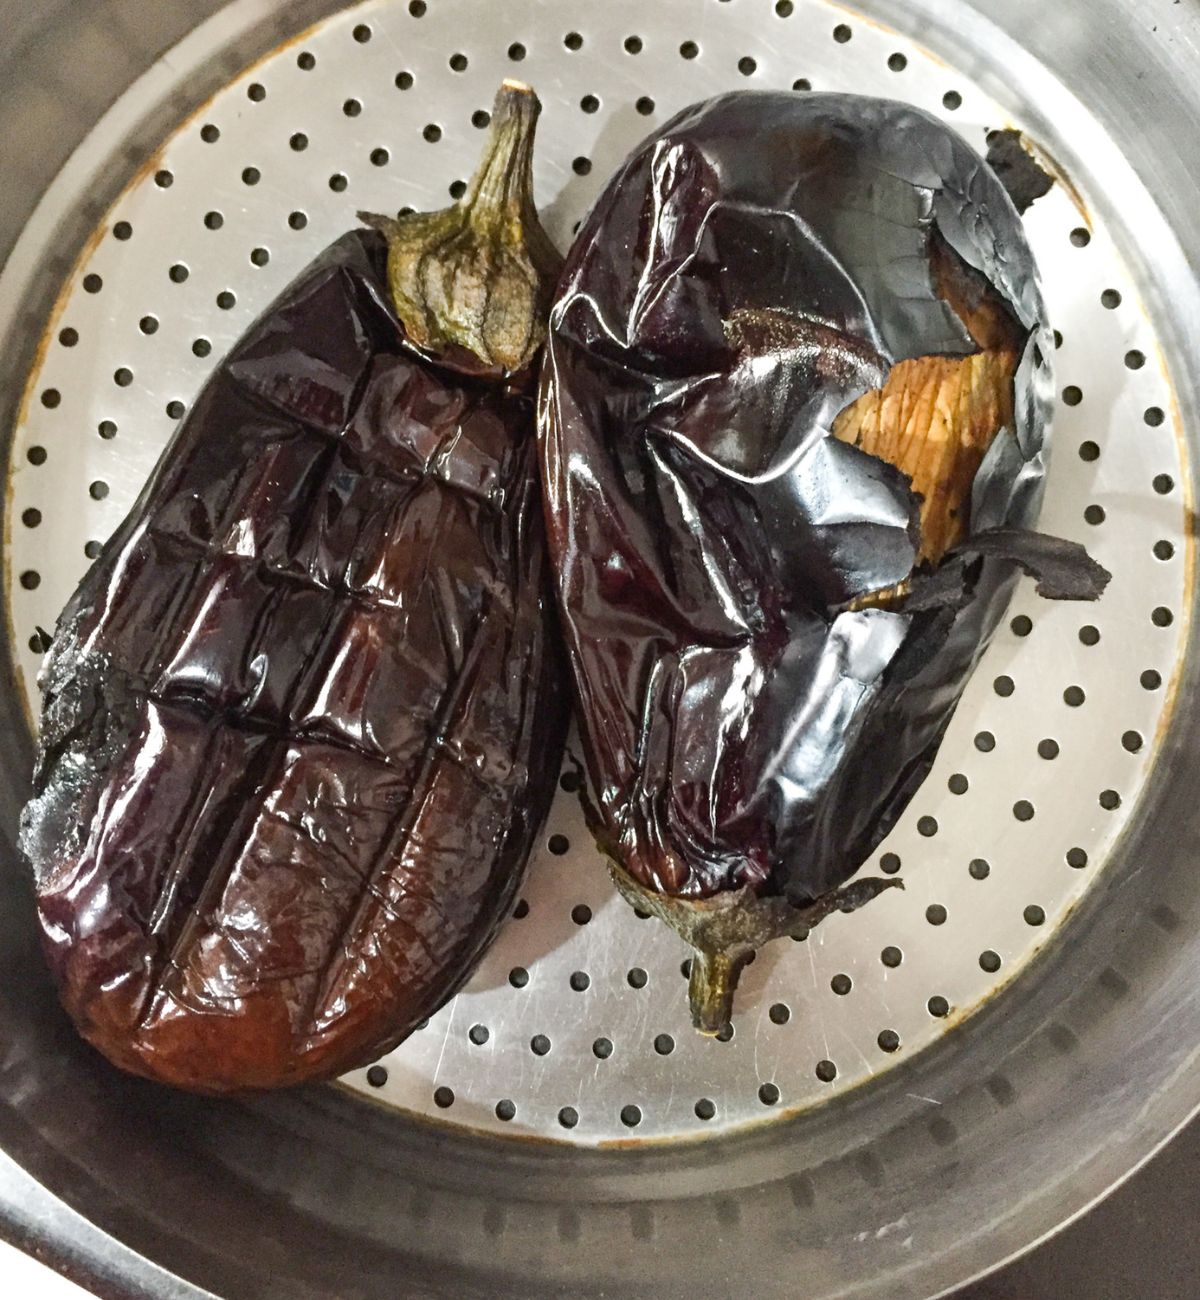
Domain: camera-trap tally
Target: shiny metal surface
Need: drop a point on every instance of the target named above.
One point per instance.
(879, 1192)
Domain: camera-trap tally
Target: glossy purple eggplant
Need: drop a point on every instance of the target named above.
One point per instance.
(793, 422)
(304, 716)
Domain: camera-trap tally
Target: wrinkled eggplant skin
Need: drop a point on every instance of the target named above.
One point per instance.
(742, 727)
(304, 716)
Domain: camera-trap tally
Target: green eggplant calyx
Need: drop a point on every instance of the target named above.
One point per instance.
(726, 930)
(479, 274)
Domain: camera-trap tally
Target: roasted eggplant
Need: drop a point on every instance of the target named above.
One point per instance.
(793, 424)
(303, 718)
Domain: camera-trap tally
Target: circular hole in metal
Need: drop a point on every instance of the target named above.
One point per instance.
(31, 518)
(573, 41)
(891, 956)
(478, 1034)
(989, 961)
(644, 105)
(1004, 686)
(1023, 810)
(299, 142)
(36, 455)
(539, 1045)
(826, 1071)
(404, 80)
(927, 826)
(432, 133)
(1089, 451)
(1077, 858)
(957, 784)
(705, 1109)
(107, 429)
(518, 977)
(505, 1109)
(1047, 749)
(802, 83)
(938, 1007)
(1089, 635)
(362, 33)
(443, 1097)
(251, 176)
(1081, 237)
(377, 1076)
(1110, 800)
(602, 1049)
(897, 62)
(637, 978)
(580, 980)
(747, 66)
(841, 985)
(1134, 359)
(935, 914)
(633, 45)
(31, 579)
(338, 183)
(842, 33)
(1074, 696)
(985, 742)
(979, 868)
(689, 50)
(1111, 299)
(1153, 416)
(516, 52)
(768, 1094)
(664, 1044)
(780, 1013)
(1034, 915)
(306, 61)
(210, 134)
(558, 845)
(1162, 617)
(631, 1116)
(888, 1040)
(1094, 515)
(1150, 679)
(98, 490)
(889, 864)
(952, 100)
(68, 337)
(1132, 741)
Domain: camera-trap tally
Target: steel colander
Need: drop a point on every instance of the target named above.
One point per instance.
(909, 1095)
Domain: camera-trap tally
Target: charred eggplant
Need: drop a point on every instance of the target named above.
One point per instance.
(793, 421)
(303, 718)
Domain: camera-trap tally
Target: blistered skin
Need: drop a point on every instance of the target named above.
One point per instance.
(756, 267)
(304, 716)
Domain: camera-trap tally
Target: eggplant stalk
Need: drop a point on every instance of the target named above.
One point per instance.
(478, 275)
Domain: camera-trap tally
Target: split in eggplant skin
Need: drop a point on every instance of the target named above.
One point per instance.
(303, 718)
(793, 423)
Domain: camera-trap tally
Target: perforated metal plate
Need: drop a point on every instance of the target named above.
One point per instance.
(575, 1027)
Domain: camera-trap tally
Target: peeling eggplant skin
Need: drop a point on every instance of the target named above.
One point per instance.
(742, 726)
(304, 716)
